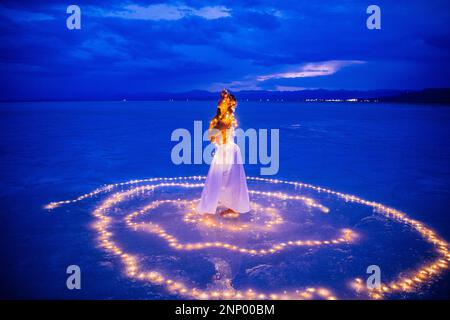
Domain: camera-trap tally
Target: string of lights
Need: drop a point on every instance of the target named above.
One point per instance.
(346, 234)
(406, 281)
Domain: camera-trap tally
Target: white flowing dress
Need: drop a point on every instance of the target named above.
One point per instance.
(226, 183)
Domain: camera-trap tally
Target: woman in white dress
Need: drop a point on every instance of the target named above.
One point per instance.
(226, 183)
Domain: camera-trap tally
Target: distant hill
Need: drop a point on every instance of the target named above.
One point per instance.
(434, 95)
(320, 95)
(256, 95)
(423, 96)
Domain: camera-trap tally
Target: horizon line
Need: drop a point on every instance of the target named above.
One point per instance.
(290, 95)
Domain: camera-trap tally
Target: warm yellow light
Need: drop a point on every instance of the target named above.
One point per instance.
(411, 280)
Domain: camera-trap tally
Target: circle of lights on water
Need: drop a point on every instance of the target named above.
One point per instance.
(409, 280)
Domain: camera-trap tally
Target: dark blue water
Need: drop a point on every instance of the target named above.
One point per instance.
(398, 155)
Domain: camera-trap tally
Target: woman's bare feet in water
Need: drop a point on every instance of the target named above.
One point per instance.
(229, 213)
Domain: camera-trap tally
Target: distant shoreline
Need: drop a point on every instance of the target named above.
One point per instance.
(436, 104)
(428, 96)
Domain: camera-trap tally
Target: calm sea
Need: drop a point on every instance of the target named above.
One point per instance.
(397, 154)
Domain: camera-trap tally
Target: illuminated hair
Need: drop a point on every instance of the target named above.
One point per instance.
(224, 118)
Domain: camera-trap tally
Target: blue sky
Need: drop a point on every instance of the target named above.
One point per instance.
(135, 47)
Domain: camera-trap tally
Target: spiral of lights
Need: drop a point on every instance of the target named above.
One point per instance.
(406, 281)
(346, 234)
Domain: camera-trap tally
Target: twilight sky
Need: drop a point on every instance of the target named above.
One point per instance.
(134, 47)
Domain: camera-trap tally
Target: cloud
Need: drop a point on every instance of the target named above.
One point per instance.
(312, 69)
(292, 88)
(306, 70)
(143, 46)
(169, 12)
(24, 15)
(234, 85)
(211, 13)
